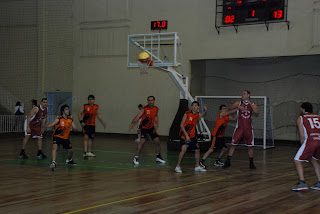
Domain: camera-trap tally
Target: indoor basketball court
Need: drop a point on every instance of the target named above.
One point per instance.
(101, 59)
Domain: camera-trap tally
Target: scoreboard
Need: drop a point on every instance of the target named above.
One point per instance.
(250, 11)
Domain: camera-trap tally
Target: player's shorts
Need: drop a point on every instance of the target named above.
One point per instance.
(151, 132)
(309, 149)
(218, 143)
(35, 130)
(245, 134)
(191, 146)
(64, 142)
(90, 131)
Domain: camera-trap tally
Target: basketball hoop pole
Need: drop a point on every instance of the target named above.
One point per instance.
(184, 93)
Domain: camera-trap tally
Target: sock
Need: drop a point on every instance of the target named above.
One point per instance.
(22, 150)
(218, 159)
(39, 152)
(136, 157)
(229, 158)
(202, 160)
(251, 160)
(158, 156)
(303, 181)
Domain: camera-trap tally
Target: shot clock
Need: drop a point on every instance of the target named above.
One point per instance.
(248, 11)
(159, 25)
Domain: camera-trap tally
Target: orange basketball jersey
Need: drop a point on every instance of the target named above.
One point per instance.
(220, 126)
(148, 117)
(62, 129)
(190, 124)
(89, 114)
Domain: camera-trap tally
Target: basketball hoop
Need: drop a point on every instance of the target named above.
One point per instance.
(144, 65)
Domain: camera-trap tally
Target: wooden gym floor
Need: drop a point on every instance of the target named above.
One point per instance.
(110, 183)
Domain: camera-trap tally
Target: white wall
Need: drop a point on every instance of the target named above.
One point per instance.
(101, 28)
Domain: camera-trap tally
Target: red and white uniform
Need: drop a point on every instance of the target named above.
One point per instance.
(36, 122)
(243, 128)
(310, 148)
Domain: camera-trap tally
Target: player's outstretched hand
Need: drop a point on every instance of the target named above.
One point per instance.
(205, 107)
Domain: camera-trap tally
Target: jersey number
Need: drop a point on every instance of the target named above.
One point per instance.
(314, 122)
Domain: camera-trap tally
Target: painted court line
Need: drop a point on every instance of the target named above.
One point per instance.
(141, 196)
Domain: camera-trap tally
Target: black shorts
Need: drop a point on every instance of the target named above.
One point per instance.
(90, 131)
(64, 142)
(191, 146)
(151, 132)
(219, 143)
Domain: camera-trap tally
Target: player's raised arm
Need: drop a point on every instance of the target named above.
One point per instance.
(204, 112)
(136, 118)
(254, 107)
(234, 105)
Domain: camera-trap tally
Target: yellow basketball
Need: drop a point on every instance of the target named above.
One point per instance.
(143, 56)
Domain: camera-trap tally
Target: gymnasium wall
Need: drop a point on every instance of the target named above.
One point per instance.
(287, 81)
(100, 32)
(19, 49)
(81, 46)
(36, 54)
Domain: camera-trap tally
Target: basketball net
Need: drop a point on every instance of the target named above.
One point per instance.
(145, 65)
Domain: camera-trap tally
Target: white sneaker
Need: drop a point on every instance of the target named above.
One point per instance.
(135, 161)
(199, 169)
(53, 165)
(160, 160)
(90, 154)
(178, 169)
(138, 140)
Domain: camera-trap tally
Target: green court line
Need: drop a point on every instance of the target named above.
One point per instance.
(145, 195)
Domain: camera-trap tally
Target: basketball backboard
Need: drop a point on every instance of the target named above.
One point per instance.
(162, 48)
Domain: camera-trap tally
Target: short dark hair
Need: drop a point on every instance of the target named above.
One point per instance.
(307, 107)
(43, 99)
(222, 106)
(196, 103)
(63, 107)
(140, 105)
(91, 96)
(247, 91)
(150, 97)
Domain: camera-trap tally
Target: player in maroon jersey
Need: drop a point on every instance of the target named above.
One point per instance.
(243, 128)
(34, 126)
(309, 130)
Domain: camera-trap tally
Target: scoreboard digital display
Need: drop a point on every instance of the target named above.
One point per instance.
(247, 11)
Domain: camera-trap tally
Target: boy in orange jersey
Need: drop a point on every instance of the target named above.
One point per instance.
(87, 117)
(188, 137)
(218, 140)
(148, 126)
(60, 135)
